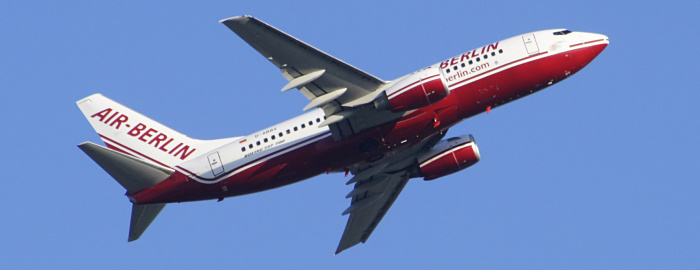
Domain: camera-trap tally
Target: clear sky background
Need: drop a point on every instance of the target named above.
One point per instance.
(597, 172)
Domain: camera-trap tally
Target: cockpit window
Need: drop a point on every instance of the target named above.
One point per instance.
(561, 33)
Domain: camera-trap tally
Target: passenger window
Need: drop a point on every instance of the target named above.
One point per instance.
(288, 131)
(250, 146)
(311, 123)
(257, 143)
(265, 140)
(295, 129)
(303, 126)
(273, 137)
(243, 149)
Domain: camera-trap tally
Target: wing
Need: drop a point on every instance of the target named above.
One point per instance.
(376, 188)
(371, 199)
(345, 93)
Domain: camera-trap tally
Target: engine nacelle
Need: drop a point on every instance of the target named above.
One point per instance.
(416, 90)
(448, 156)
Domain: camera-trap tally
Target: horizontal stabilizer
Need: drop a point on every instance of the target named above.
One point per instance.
(141, 216)
(132, 173)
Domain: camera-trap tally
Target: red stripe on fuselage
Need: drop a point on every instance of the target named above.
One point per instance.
(592, 41)
(130, 149)
(227, 174)
(586, 43)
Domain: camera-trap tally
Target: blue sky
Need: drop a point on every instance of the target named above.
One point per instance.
(597, 172)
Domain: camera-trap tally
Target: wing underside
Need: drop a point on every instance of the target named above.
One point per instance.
(345, 93)
(372, 199)
(376, 188)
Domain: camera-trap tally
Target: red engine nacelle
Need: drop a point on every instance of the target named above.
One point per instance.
(417, 90)
(449, 156)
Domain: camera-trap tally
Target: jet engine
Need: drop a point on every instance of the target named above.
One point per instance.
(414, 91)
(447, 157)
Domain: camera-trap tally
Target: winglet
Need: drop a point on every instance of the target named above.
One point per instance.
(236, 18)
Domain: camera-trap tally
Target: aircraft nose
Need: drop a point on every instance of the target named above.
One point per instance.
(589, 47)
(598, 43)
(584, 47)
(599, 38)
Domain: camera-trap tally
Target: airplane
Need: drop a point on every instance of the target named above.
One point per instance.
(383, 132)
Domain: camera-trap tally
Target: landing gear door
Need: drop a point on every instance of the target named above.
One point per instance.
(531, 44)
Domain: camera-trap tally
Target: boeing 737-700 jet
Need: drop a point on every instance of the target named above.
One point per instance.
(383, 132)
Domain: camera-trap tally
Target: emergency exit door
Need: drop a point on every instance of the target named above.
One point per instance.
(531, 44)
(215, 163)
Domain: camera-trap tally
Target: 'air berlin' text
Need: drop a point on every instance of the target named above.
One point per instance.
(143, 133)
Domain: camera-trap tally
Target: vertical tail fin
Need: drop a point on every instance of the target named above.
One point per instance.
(130, 132)
(141, 153)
